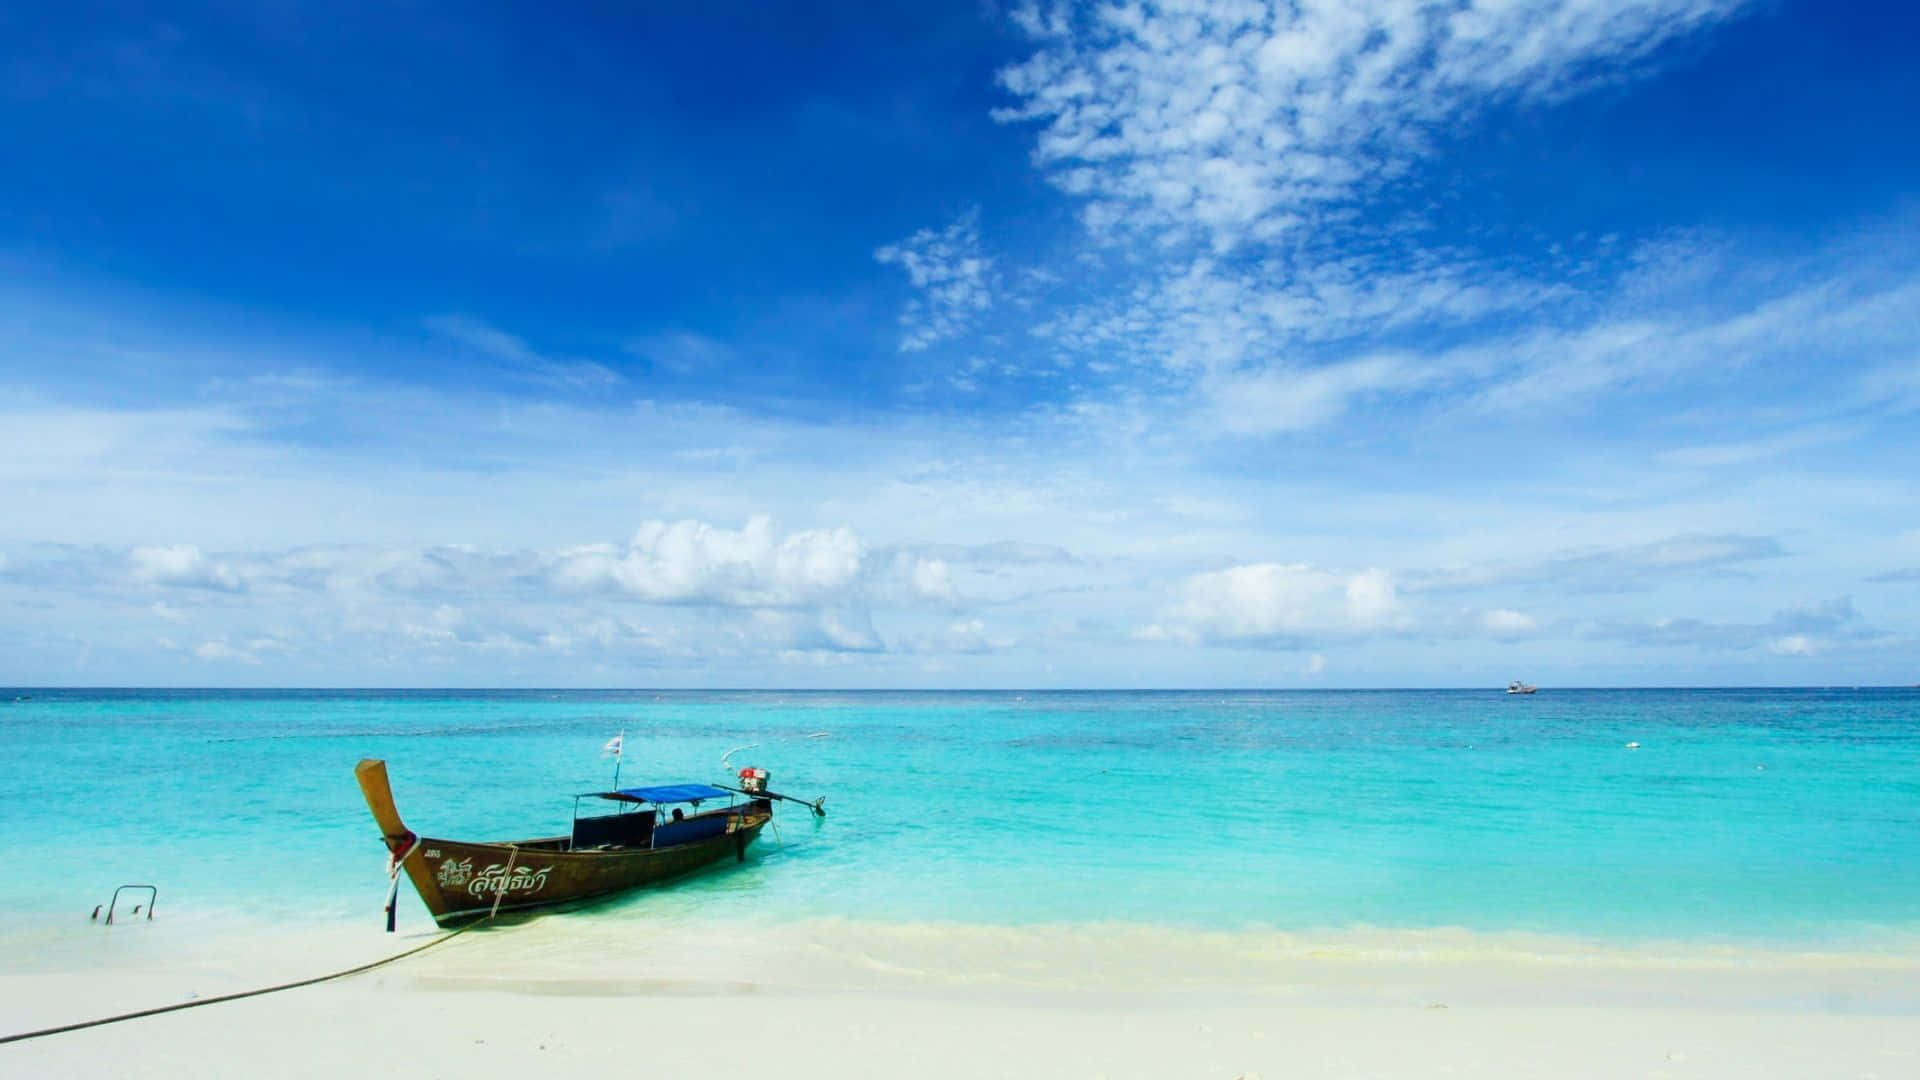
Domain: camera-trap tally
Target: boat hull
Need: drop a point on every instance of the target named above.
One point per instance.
(461, 881)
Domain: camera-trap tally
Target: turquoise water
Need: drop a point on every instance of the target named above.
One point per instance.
(1746, 816)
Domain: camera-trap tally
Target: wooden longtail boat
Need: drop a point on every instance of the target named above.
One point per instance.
(603, 855)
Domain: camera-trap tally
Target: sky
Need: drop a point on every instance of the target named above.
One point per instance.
(960, 345)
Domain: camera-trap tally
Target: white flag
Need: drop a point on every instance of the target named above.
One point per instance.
(613, 745)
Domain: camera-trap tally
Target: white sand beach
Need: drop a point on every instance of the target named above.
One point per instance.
(573, 996)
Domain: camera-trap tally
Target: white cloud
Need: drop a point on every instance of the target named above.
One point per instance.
(1507, 622)
(932, 579)
(951, 273)
(1793, 645)
(694, 562)
(183, 565)
(972, 636)
(966, 637)
(1284, 604)
(221, 652)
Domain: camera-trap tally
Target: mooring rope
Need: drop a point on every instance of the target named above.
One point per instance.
(394, 862)
(513, 853)
(242, 994)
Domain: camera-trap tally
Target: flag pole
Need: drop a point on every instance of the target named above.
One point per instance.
(619, 753)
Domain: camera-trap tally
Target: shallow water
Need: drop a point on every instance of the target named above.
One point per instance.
(1778, 818)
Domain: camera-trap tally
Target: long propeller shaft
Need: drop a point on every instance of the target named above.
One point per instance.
(818, 810)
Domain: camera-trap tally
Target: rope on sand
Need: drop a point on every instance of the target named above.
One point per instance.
(22, 1036)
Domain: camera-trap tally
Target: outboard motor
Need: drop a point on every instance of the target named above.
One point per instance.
(753, 781)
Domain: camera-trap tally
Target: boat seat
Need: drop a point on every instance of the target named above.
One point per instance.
(613, 830)
(693, 828)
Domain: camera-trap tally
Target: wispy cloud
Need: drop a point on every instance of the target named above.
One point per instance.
(1659, 346)
(683, 352)
(1802, 631)
(483, 338)
(254, 652)
(520, 359)
(1226, 157)
(951, 272)
(1236, 355)
(1244, 121)
(1748, 451)
(1613, 569)
(1284, 399)
(1207, 316)
(221, 651)
(1505, 622)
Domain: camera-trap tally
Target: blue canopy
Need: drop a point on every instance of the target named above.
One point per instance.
(668, 793)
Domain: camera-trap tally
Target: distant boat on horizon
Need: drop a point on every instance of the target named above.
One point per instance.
(1518, 687)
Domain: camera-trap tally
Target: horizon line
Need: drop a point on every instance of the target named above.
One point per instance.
(953, 689)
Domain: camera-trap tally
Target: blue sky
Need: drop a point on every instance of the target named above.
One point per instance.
(1212, 344)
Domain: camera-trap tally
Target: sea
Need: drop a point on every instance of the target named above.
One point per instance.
(1742, 818)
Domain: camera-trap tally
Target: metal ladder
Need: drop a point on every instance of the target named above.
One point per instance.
(153, 896)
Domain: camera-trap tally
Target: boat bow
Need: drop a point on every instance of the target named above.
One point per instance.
(403, 846)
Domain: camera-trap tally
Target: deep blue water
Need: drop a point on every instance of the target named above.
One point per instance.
(1776, 816)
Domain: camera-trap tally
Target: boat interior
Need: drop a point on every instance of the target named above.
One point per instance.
(629, 830)
(643, 829)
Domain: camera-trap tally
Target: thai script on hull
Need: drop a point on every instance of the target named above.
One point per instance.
(496, 879)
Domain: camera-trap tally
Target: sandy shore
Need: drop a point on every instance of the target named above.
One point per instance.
(574, 996)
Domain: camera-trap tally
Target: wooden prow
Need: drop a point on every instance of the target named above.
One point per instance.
(400, 841)
(372, 774)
